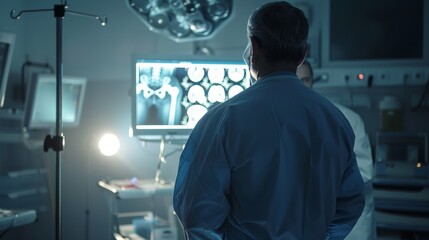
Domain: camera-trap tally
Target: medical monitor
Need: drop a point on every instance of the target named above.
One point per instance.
(366, 33)
(40, 105)
(170, 96)
(7, 42)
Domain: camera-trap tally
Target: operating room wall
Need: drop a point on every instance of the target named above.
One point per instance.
(103, 55)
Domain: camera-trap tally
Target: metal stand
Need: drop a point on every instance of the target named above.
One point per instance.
(57, 142)
(161, 159)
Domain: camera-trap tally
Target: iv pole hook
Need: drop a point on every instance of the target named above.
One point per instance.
(102, 20)
(18, 16)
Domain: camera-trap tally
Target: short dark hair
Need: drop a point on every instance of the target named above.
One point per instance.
(281, 29)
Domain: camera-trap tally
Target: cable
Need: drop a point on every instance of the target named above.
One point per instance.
(4, 232)
(370, 81)
(10, 227)
(349, 90)
(422, 98)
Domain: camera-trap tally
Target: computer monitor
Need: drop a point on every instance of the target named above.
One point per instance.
(7, 42)
(40, 105)
(383, 33)
(170, 96)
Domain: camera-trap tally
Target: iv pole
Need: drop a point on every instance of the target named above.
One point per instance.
(57, 142)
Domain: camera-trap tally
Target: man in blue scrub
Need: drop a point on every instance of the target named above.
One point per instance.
(276, 161)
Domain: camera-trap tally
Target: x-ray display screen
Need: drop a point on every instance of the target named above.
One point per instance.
(170, 97)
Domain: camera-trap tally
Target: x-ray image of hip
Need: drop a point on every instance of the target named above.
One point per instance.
(158, 97)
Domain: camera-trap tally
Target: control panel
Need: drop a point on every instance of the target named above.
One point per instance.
(368, 77)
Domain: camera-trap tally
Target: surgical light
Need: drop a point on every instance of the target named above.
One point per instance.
(109, 144)
(183, 20)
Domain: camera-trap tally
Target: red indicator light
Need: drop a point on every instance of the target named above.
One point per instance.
(360, 76)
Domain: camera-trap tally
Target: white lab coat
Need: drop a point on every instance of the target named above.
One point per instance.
(365, 227)
(274, 162)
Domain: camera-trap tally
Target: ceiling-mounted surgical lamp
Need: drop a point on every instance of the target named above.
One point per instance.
(183, 20)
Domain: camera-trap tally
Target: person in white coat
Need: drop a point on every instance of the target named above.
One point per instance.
(365, 227)
(275, 161)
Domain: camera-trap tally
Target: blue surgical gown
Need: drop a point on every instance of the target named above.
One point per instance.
(274, 162)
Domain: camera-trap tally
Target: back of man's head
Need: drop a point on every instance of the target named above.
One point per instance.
(281, 30)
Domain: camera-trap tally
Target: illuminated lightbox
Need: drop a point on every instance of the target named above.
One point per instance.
(170, 97)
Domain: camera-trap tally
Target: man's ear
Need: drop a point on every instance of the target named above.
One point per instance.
(256, 50)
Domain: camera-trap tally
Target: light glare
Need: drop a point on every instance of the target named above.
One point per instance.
(109, 144)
